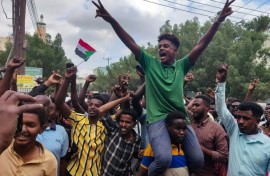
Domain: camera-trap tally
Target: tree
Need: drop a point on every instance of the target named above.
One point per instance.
(4, 54)
(50, 55)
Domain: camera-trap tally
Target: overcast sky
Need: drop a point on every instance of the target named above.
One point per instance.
(141, 19)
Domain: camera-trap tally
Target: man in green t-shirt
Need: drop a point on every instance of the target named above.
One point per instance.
(164, 87)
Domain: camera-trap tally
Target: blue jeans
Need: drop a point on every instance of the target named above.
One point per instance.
(161, 144)
(192, 150)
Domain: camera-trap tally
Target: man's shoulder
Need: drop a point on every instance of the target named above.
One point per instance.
(265, 139)
(214, 124)
(216, 128)
(60, 128)
(48, 155)
(74, 116)
(145, 54)
(180, 60)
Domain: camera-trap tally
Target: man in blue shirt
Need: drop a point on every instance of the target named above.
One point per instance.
(55, 139)
(249, 152)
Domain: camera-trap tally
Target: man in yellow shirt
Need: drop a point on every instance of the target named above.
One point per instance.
(25, 156)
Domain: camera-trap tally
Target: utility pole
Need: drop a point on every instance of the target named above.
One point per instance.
(20, 44)
(108, 59)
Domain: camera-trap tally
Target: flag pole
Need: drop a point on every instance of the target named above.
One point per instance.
(79, 63)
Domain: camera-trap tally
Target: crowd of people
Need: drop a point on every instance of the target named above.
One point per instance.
(154, 130)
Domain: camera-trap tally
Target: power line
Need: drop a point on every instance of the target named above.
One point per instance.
(175, 8)
(244, 5)
(33, 12)
(34, 9)
(188, 6)
(240, 7)
(4, 10)
(108, 60)
(202, 9)
(209, 5)
(188, 10)
(263, 4)
(259, 6)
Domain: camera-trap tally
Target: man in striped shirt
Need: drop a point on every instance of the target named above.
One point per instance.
(88, 133)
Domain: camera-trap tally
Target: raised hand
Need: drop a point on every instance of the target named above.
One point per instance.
(117, 91)
(189, 77)
(10, 101)
(102, 12)
(210, 92)
(253, 84)
(129, 95)
(221, 74)
(123, 81)
(15, 63)
(10, 111)
(55, 78)
(226, 11)
(91, 78)
(71, 72)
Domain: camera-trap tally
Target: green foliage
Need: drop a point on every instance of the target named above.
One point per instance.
(4, 54)
(259, 24)
(50, 55)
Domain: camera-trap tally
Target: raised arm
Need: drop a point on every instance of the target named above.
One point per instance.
(189, 77)
(88, 80)
(251, 87)
(121, 89)
(208, 36)
(74, 97)
(61, 94)
(54, 79)
(227, 118)
(136, 99)
(122, 34)
(108, 106)
(13, 64)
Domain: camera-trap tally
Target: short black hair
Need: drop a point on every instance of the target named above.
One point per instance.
(99, 97)
(236, 100)
(130, 112)
(171, 37)
(257, 110)
(41, 113)
(206, 99)
(174, 115)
